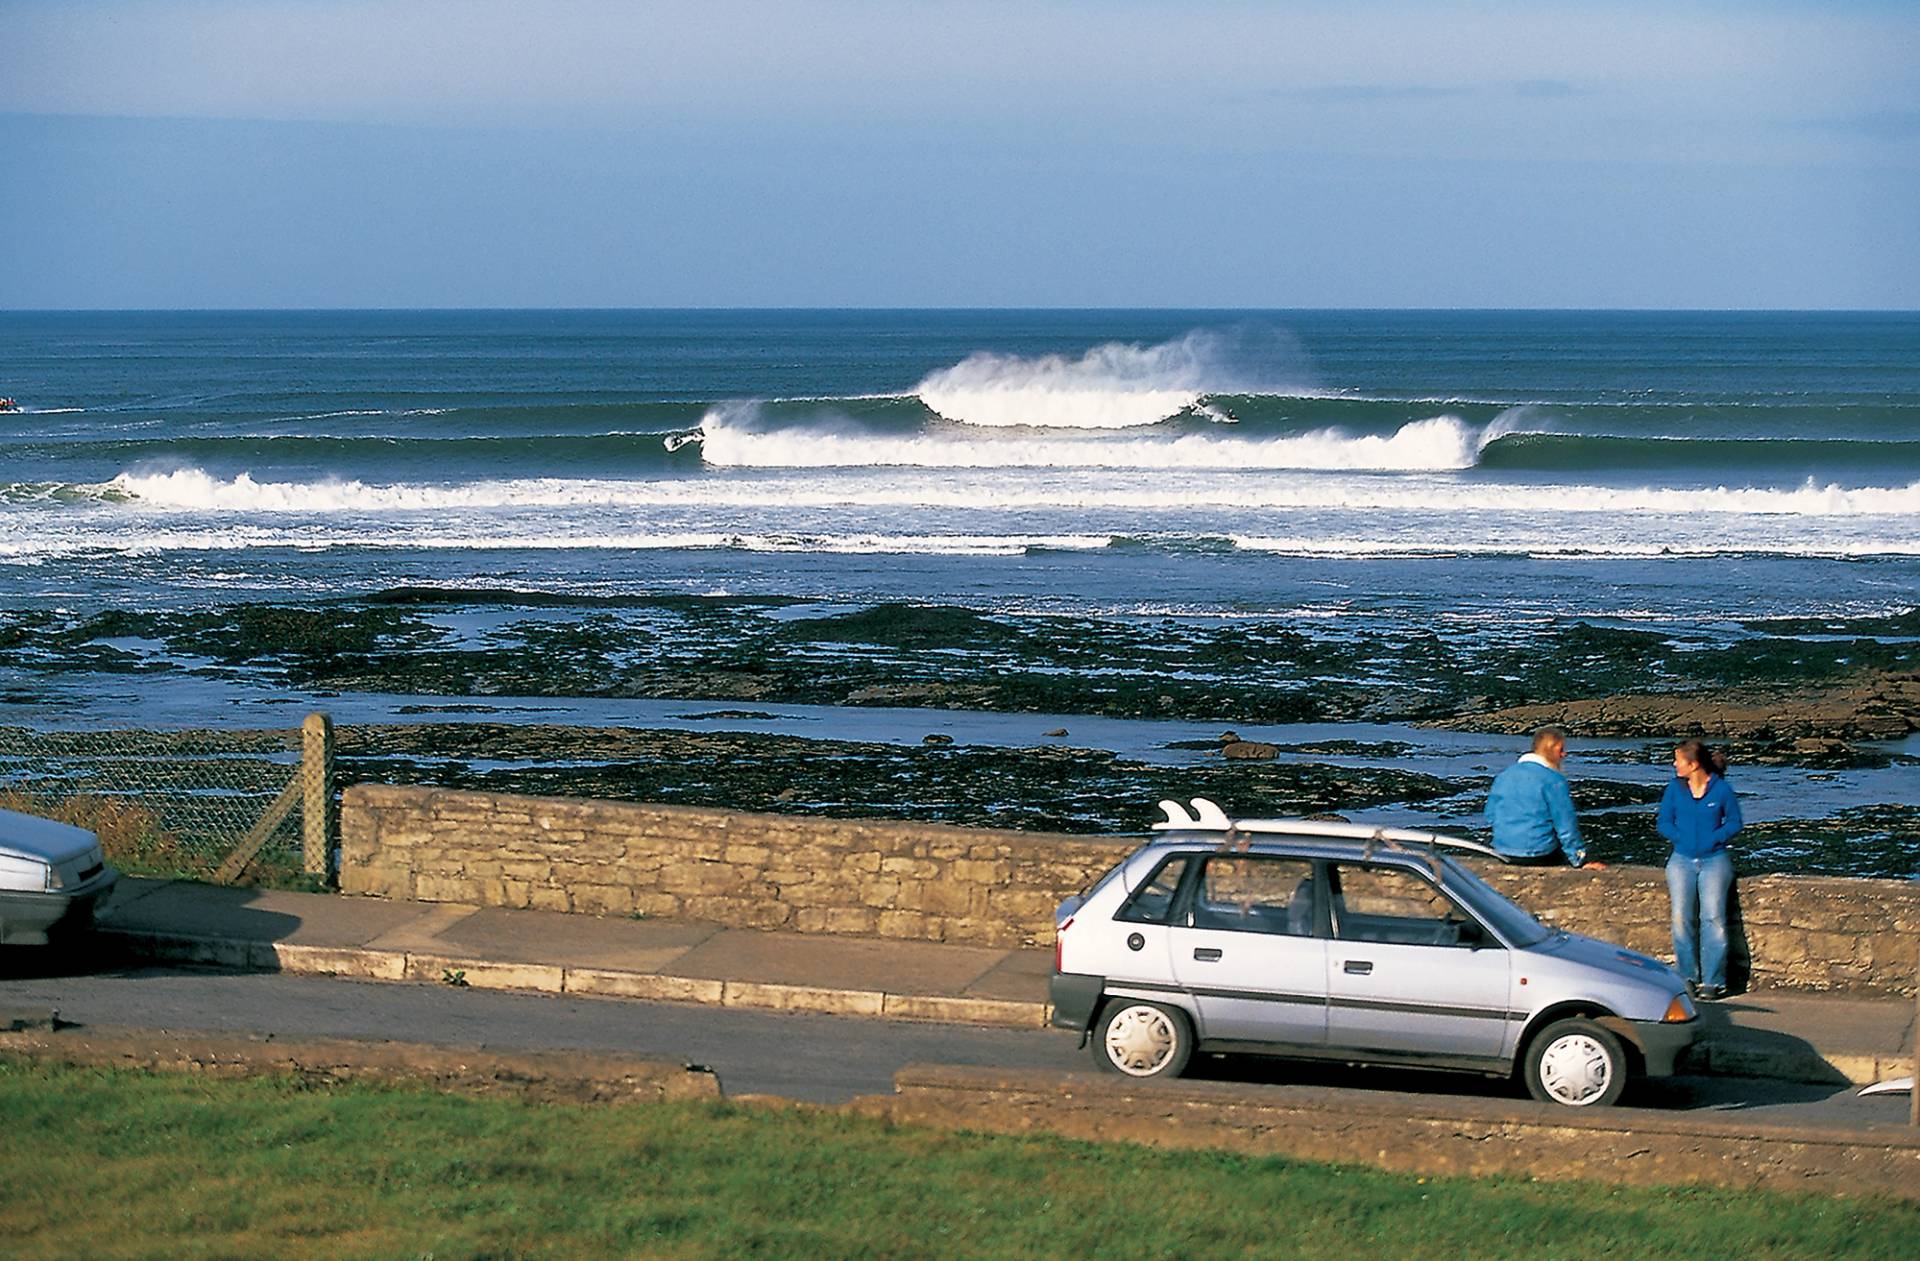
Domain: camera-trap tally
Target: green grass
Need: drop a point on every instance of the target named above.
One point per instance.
(118, 1164)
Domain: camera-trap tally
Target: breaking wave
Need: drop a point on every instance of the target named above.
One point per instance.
(737, 436)
(1119, 385)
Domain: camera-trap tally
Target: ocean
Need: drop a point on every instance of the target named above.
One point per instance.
(1297, 516)
(1686, 466)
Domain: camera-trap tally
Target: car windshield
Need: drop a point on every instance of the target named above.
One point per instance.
(1507, 919)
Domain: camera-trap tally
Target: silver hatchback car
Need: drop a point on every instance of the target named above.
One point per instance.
(1347, 942)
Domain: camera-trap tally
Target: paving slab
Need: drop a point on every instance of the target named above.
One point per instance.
(1865, 1025)
(853, 963)
(582, 941)
(1811, 1036)
(1021, 977)
(189, 908)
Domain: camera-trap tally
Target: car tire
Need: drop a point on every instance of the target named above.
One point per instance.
(1142, 1040)
(1577, 1063)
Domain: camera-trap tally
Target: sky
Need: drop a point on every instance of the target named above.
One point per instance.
(1199, 153)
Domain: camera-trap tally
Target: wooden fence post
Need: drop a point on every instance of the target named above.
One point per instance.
(316, 806)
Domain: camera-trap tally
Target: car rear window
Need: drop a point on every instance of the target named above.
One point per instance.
(1152, 902)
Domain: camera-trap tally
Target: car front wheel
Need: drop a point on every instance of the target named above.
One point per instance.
(1144, 1040)
(1576, 1063)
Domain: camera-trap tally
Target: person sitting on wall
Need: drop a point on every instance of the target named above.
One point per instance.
(1531, 808)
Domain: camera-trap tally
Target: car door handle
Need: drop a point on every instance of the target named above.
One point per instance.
(1358, 967)
(1206, 954)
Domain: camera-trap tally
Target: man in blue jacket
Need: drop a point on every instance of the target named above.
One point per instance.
(1531, 807)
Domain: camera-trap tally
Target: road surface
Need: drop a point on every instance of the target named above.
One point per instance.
(825, 1059)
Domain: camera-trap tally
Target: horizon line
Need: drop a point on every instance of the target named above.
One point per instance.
(981, 308)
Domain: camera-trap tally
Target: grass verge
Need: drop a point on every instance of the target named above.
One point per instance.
(108, 1164)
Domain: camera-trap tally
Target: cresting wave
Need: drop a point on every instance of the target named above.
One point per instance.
(195, 491)
(1118, 385)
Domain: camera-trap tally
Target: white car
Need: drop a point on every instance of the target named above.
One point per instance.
(53, 878)
(1320, 940)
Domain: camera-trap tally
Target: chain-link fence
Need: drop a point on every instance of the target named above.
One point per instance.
(174, 802)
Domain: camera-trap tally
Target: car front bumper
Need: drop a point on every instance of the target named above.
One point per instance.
(29, 918)
(1661, 1042)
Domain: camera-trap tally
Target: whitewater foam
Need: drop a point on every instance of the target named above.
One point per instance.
(735, 436)
(196, 491)
(1118, 385)
(1424, 543)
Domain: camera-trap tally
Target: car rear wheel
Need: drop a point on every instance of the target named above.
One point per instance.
(1143, 1040)
(1578, 1064)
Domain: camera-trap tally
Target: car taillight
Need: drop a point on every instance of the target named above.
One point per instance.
(1678, 1011)
(1059, 940)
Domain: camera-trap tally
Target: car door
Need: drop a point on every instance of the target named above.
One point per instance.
(1136, 957)
(1408, 970)
(1249, 950)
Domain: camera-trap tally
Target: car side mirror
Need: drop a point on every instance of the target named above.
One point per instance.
(1472, 935)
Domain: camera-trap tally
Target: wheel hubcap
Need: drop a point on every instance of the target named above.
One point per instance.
(1576, 1069)
(1140, 1041)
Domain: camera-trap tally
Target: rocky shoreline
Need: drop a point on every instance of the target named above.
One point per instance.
(1814, 724)
(1814, 694)
(1769, 685)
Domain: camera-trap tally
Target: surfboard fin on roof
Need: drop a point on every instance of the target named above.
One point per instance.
(1208, 817)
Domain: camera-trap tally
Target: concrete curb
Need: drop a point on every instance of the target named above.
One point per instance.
(1732, 1058)
(491, 974)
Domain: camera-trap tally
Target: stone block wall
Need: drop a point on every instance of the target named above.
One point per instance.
(931, 882)
(873, 877)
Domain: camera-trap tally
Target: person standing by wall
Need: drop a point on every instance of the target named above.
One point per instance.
(1698, 815)
(1531, 807)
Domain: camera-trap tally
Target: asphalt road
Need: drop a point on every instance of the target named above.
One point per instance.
(826, 1059)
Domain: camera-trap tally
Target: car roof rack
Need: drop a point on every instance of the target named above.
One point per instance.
(1208, 817)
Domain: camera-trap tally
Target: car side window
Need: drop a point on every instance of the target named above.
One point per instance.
(1252, 893)
(1397, 907)
(1152, 902)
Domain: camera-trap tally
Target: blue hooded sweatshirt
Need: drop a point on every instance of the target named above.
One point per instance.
(1700, 827)
(1531, 809)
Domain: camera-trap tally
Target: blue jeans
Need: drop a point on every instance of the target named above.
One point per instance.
(1698, 888)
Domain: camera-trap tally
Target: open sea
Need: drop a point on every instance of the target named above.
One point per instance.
(1321, 465)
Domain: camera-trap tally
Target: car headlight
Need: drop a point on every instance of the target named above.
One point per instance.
(54, 880)
(1679, 1011)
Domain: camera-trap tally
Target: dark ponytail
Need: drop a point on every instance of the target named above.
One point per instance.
(1701, 754)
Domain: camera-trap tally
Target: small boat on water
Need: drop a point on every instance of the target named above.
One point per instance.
(8, 405)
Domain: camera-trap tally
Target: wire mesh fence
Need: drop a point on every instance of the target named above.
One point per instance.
(164, 802)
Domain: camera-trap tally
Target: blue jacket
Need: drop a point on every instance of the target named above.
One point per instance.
(1698, 828)
(1531, 809)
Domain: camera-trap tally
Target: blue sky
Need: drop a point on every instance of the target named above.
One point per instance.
(833, 152)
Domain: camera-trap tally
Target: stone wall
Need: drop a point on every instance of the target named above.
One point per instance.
(929, 882)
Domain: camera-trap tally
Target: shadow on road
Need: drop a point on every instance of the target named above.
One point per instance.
(1669, 1094)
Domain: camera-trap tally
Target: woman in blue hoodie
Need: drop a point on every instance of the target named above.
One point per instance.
(1698, 815)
